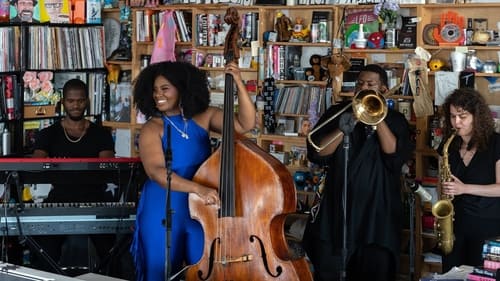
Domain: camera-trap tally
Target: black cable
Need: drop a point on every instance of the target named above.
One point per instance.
(5, 229)
(168, 215)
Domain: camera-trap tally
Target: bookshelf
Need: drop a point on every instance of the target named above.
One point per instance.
(120, 115)
(200, 51)
(40, 58)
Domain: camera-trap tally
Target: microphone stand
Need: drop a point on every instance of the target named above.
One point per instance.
(23, 239)
(168, 215)
(346, 145)
(411, 250)
(413, 187)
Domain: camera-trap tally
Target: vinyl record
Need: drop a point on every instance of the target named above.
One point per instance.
(450, 33)
(428, 36)
(111, 35)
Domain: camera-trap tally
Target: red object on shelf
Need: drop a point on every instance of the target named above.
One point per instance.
(428, 222)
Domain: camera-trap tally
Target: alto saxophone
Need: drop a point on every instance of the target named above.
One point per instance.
(443, 209)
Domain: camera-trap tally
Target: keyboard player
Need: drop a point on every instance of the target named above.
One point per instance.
(76, 137)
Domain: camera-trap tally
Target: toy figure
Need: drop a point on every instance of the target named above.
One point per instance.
(283, 27)
(436, 64)
(300, 32)
(376, 40)
(336, 64)
(315, 72)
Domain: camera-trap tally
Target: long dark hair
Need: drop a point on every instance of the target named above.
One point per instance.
(473, 102)
(191, 84)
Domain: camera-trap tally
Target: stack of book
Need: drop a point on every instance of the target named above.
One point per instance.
(490, 270)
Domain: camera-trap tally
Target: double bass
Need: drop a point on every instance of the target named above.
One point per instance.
(244, 239)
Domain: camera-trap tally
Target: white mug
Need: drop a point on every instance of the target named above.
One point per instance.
(457, 61)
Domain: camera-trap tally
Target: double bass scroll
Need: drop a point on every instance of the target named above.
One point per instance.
(244, 240)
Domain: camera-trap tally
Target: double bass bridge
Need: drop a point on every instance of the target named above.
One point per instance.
(244, 258)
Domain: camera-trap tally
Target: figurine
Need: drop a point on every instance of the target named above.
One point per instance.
(300, 32)
(315, 72)
(283, 27)
(376, 40)
(336, 64)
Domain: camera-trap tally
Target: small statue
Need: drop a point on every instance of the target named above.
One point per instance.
(300, 31)
(376, 40)
(336, 64)
(123, 52)
(283, 27)
(315, 72)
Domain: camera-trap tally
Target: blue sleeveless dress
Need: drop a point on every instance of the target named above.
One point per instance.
(186, 245)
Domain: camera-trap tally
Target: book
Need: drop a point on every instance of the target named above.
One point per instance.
(407, 36)
(484, 271)
(324, 21)
(122, 139)
(491, 264)
(494, 241)
(93, 11)
(119, 104)
(78, 11)
(30, 130)
(475, 277)
(54, 11)
(352, 20)
(23, 12)
(491, 249)
(292, 60)
(350, 76)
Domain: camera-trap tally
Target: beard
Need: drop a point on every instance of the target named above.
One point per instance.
(26, 15)
(76, 117)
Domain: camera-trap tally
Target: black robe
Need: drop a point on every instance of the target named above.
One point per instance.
(374, 213)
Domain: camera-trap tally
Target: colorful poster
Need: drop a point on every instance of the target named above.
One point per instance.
(54, 11)
(24, 11)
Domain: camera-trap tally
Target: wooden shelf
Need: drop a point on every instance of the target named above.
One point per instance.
(427, 13)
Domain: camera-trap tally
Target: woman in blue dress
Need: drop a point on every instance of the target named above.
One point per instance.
(176, 94)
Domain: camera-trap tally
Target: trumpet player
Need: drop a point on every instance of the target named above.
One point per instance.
(474, 162)
(373, 203)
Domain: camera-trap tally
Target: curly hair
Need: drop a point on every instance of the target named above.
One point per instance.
(473, 102)
(191, 84)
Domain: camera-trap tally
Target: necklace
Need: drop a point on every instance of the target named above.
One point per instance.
(462, 155)
(467, 156)
(69, 138)
(184, 132)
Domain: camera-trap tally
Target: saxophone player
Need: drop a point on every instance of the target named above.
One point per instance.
(474, 162)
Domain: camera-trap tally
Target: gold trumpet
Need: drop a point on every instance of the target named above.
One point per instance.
(368, 106)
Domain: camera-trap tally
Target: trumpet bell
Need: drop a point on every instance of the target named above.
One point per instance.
(369, 107)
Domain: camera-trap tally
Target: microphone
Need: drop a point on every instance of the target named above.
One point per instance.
(418, 189)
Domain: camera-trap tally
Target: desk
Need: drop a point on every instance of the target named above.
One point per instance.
(97, 277)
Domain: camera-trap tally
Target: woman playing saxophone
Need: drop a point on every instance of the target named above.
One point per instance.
(474, 183)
